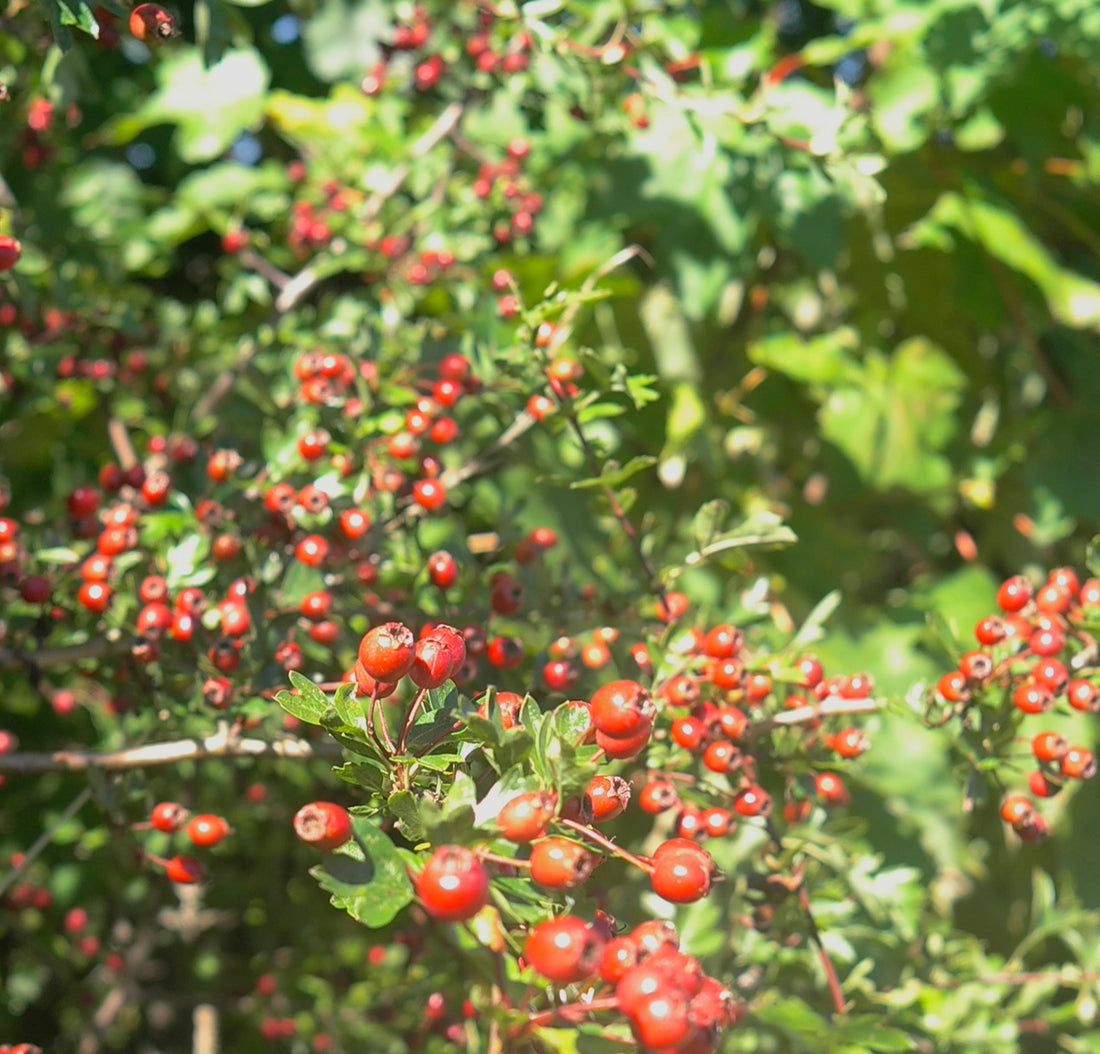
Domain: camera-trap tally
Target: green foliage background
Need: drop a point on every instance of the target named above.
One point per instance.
(866, 305)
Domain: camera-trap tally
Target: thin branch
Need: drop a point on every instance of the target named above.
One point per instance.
(801, 715)
(113, 642)
(222, 744)
(440, 128)
(44, 839)
(119, 434)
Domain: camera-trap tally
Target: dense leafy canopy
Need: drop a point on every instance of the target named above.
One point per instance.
(811, 294)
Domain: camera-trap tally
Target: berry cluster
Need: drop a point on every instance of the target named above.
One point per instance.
(1037, 655)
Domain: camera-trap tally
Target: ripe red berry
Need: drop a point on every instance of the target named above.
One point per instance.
(453, 885)
(622, 709)
(990, 630)
(433, 663)
(1016, 809)
(151, 22)
(558, 863)
(720, 755)
(525, 817)
(850, 742)
(682, 877)
(1014, 593)
(184, 870)
(354, 523)
(1078, 763)
(608, 796)
(207, 829)
(429, 494)
(565, 949)
(1083, 695)
(1049, 746)
(95, 596)
(168, 816)
(312, 550)
(622, 749)
(688, 732)
(753, 801)
(442, 569)
(323, 825)
(1032, 698)
(830, 788)
(658, 796)
(10, 251)
(387, 652)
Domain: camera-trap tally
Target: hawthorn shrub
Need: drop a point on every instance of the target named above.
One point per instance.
(598, 494)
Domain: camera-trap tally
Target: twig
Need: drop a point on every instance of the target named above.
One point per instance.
(44, 840)
(204, 1030)
(440, 128)
(113, 642)
(831, 978)
(800, 715)
(222, 744)
(119, 434)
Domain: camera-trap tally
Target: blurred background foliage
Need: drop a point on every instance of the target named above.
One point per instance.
(868, 300)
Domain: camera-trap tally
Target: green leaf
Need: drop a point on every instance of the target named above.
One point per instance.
(187, 559)
(616, 475)
(308, 703)
(210, 107)
(366, 878)
(366, 773)
(344, 40)
(894, 423)
(761, 530)
(71, 13)
(1092, 556)
(404, 807)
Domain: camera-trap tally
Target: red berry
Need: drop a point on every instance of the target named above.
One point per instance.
(10, 251)
(387, 652)
(753, 801)
(558, 863)
(433, 663)
(1016, 809)
(151, 22)
(830, 788)
(1049, 746)
(442, 569)
(720, 755)
(429, 494)
(622, 709)
(323, 825)
(622, 749)
(990, 630)
(682, 877)
(525, 817)
(354, 523)
(1032, 698)
(658, 796)
(95, 596)
(565, 949)
(1078, 763)
(688, 732)
(167, 816)
(850, 742)
(311, 550)
(207, 829)
(453, 885)
(608, 795)
(184, 870)
(1083, 695)
(1014, 593)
